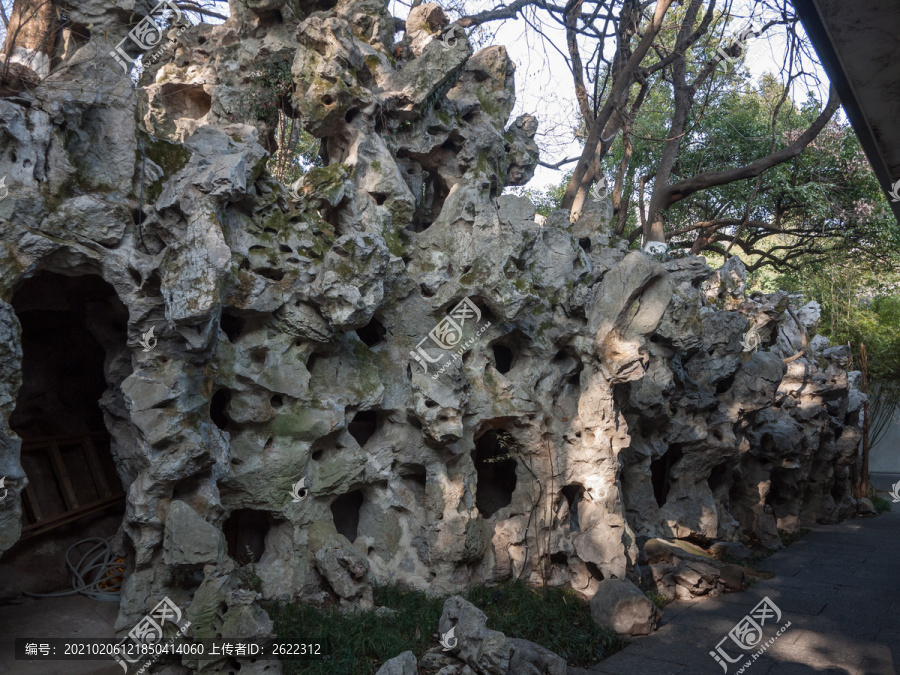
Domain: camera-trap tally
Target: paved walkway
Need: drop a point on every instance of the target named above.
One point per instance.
(71, 617)
(839, 587)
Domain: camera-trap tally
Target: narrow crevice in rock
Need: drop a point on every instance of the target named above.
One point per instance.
(245, 535)
(661, 473)
(345, 511)
(496, 471)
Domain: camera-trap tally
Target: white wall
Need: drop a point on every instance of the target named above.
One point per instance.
(884, 456)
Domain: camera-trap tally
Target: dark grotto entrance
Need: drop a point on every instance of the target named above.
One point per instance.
(74, 331)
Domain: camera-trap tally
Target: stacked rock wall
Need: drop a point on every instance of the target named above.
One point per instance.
(604, 397)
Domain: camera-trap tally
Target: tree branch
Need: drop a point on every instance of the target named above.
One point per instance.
(687, 187)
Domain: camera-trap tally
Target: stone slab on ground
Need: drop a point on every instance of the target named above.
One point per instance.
(840, 596)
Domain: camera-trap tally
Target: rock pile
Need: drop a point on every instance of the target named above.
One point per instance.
(607, 398)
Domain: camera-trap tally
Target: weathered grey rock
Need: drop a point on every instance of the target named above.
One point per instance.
(733, 549)
(286, 320)
(528, 657)
(620, 605)
(189, 539)
(404, 664)
(486, 651)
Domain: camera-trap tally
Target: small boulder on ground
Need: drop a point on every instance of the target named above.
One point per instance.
(405, 664)
(529, 658)
(620, 605)
(490, 652)
(693, 565)
(732, 549)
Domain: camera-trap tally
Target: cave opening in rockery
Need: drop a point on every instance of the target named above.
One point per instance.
(73, 342)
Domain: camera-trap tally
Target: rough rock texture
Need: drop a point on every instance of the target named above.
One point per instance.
(620, 605)
(293, 335)
(490, 652)
(404, 664)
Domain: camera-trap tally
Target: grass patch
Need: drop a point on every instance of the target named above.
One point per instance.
(881, 504)
(358, 643)
(657, 598)
(553, 617)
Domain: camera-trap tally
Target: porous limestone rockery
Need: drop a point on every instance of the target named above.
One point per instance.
(606, 397)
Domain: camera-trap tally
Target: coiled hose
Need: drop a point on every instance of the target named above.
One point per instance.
(97, 575)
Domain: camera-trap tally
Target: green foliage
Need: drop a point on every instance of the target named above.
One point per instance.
(881, 504)
(271, 85)
(860, 305)
(359, 642)
(657, 598)
(553, 617)
(268, 100)
(546, 200)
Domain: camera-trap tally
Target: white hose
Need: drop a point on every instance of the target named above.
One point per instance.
(100, 564)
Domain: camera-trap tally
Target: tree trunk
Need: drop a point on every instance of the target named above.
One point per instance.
(30, 37)
(864, 471)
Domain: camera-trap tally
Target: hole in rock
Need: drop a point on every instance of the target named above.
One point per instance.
(276, 401)
(585, 244)
(725, 384)
(245, 532)
(217, 408)
(185, 100)
(284, 248)
(559, 559)
(433, 193)
(594, 570)
(379, 197)
(270, 18)
(719, 477)
(415, 473)
(661, 473)
(270, 273)
(363, 426)
(372, 333)
(345, 511)
(327, 100)
(573, 494)
(503, 358)
(74, 341)
(496, 473)
(351, 115)
(232, 326)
